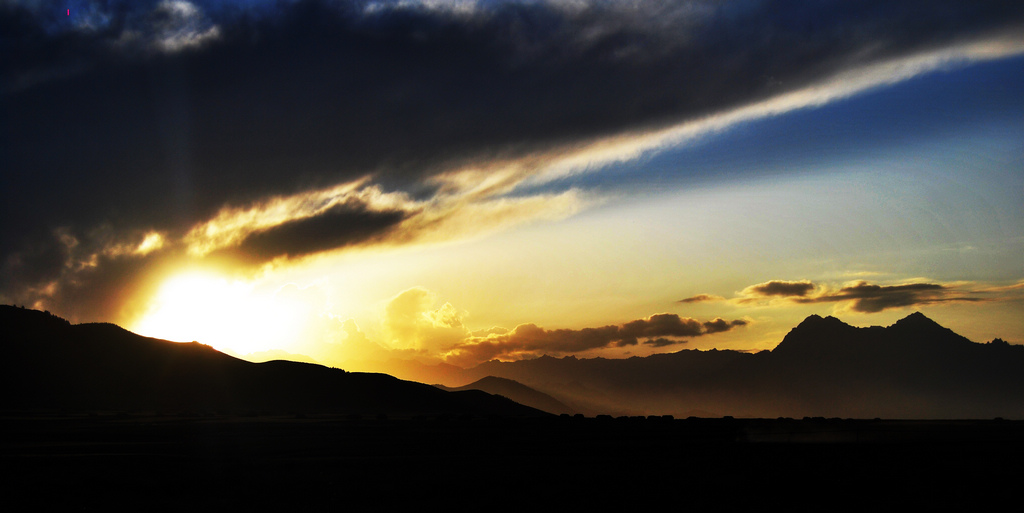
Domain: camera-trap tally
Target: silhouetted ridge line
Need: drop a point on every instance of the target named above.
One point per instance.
(914, 368)
(517, 392)
(52, 365)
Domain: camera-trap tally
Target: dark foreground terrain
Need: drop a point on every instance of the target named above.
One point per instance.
(118, 461)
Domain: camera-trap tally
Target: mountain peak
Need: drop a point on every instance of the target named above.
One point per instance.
(817, 322)
(916, 319)
(809, 334)
(918, 325)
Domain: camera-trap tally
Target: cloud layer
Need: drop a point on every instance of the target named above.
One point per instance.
(269, 130)
(864, 297)
(530, 340)
(412, 325)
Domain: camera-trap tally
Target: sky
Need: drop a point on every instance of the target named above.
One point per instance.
(349, 182)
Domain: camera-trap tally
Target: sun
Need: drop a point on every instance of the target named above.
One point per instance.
(230, 315)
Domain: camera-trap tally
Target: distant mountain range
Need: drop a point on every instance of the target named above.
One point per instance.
(823, 367)
(47, 364)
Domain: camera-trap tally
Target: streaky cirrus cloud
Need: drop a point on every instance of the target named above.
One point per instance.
(180, 118)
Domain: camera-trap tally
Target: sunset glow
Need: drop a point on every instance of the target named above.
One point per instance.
(364, 183)
(228, 315)
(302, 254)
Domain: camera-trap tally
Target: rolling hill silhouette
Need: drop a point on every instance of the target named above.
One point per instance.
(823, 367)
(49, 364)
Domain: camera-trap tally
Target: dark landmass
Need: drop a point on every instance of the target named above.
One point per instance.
(97, 418)
(914, 369)
(49, 365)
(104, 462)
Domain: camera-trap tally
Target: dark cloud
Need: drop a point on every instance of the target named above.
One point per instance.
(660, 342)
(862, 296)
(340, 226)
(661, 325)
(870, 298)
(719, 325)
(155, 115)
(94, 286)
(700, 298)
(780, 288)
(658, 330)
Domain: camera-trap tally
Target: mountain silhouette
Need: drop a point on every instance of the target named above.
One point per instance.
(516, 391)
(914, 368)
(50, 364)
(75, 461)
(823, 367)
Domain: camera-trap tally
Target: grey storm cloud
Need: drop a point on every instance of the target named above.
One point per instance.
(155, 115)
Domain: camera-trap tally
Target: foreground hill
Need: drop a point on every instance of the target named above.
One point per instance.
(49, 364)
(823, 367)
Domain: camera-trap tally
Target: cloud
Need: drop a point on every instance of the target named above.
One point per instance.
(700, 298)
(530, 340)
(870, 298)
(415, 326)
(659, 325)
(411, 322)
(337, 227)
(719, 325)
(292, 128)
(780, 288)
(170, 26)
(862, 296)
(1013, 287)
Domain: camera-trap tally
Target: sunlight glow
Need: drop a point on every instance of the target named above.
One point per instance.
(152, 242)
(228, 315)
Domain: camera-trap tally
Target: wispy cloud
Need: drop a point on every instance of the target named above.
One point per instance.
(171, 26)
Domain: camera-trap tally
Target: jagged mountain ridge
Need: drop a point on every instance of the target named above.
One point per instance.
(49, 364)
(915, 332)
(823, 367)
